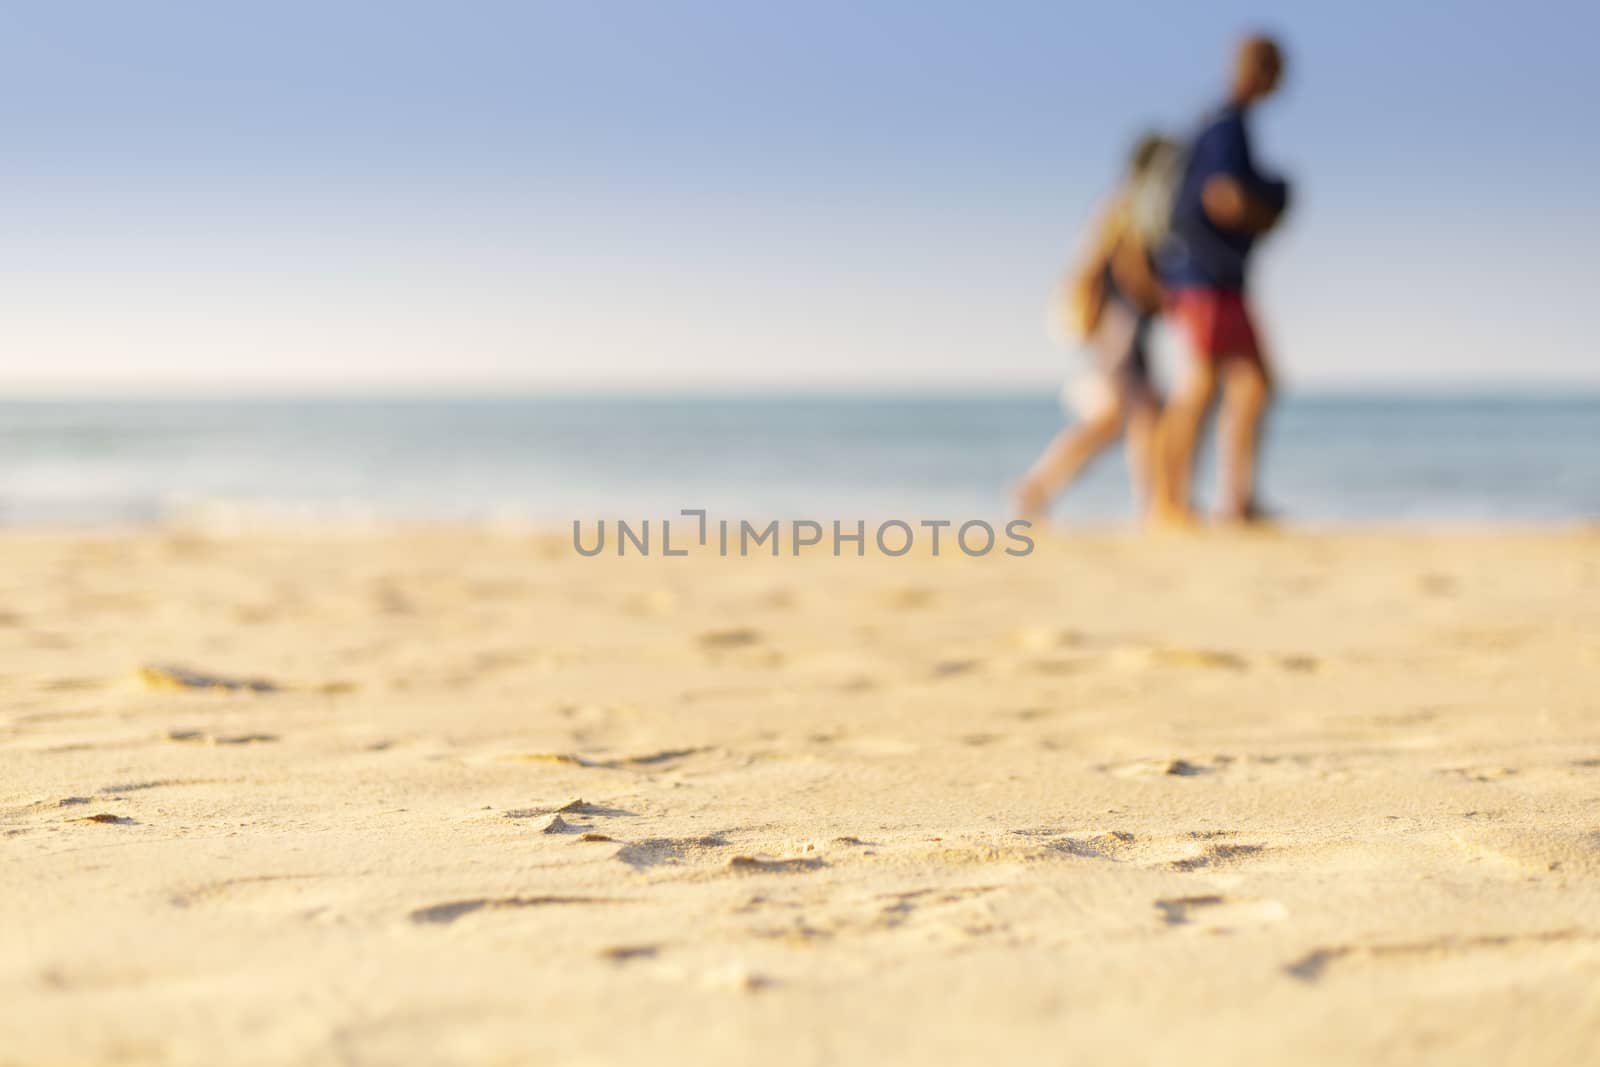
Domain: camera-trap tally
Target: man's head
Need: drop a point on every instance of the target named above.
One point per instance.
(1257, 70)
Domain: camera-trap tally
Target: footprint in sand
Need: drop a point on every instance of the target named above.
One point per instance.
(1479, 774)
(742, 646)
(451, 910)
(1314, 965)
(1170, 766)
(951, 914)
(1558, 854)
(1194, 851)
(1095, 844)
(725, 692)
(779, 599)
(575, 806)
(909, 599)
(569, 759)
(643, 760)
(960, 913)
(1213, 913)
(550, 820)
(737, 637)
(203, 738)
(629, 953)
(1058, 666)
(1278, 767)
(73, 685)
(1439, 585)
(160, 783)
(950, 668)
(653, 759)
(233, 891)
(1144, 657)
(169, 676)
(1046, 638)
(512, 659)
(670, 851)
(651, 602)
(1215, 855)
(784, 865)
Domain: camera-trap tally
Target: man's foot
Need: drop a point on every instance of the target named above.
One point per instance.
(1252, 514)
(1165, 515)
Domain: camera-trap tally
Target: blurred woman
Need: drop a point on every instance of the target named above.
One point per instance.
(1110, 301)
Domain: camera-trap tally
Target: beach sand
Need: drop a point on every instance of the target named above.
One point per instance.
(429, 796)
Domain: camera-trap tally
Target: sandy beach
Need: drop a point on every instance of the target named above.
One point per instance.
(462, 795)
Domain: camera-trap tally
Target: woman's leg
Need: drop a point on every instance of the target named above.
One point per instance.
(1072, 449)
(1143, 418)
(1142, 414)
(1065, 458)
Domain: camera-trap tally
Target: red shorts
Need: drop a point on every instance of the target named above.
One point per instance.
(1216, 324)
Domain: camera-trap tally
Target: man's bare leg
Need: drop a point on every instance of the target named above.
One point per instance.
(1179, 441)
(1247, 394)
(1065, 457)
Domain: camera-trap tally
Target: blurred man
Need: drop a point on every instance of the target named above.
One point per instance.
(1221, 206)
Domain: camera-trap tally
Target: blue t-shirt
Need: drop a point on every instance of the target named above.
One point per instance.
(1197, 252)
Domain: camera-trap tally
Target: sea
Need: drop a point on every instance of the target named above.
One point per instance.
(1331, 459)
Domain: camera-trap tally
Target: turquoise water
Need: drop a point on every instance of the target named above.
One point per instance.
(1335, 458)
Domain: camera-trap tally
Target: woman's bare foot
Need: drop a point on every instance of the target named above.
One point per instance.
(1031, 501)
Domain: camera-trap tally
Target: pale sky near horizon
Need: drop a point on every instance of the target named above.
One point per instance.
(631, 194)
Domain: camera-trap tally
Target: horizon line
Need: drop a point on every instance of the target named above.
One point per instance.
(528, 390)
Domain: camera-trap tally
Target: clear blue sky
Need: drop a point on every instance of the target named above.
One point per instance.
(646, 193)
